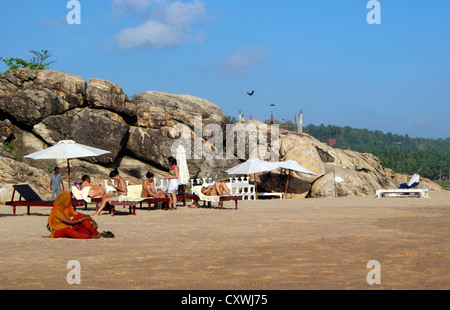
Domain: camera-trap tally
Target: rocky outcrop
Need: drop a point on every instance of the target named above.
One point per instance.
(98, 128)
(157, 114)
(340, 173)
(107, 95)
(28, 96)
(15, 172)
(40, 108)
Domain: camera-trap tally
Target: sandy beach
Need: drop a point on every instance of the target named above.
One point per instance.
(264, 245)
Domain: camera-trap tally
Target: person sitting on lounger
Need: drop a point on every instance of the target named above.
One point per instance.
(216, 189)
(148, 188)
(412, 183)
(121, 189)
(90, 190)
(64, 222)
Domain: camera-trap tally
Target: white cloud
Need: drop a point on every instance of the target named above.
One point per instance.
(243, 60)
(169, 25)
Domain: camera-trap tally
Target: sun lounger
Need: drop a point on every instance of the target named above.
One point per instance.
(32, 199)
(405, 190)
(133, 197)
(421, 193)
(134, 194)
(85, 199)
(131, 201)
(130, 204)
(218, 199)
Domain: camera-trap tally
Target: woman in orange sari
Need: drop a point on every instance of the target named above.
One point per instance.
(64, 222)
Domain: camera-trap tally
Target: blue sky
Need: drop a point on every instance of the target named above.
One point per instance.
(320, 56)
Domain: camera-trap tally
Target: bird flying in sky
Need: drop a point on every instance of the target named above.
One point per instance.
(251, 94)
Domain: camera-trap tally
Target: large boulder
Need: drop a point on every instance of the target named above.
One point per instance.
(16, 172)
(107, 95)
(304, 150)
(150, 145)
(97, 128)
(157, 109)
(342, 182)
(339, 172)
(69, 87)
(254, 138)
(156, 134)
(29, 96)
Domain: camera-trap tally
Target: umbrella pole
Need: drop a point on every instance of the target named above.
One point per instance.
(287, 183)
(184, 192)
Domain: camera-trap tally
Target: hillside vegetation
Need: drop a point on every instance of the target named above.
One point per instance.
(428, 157)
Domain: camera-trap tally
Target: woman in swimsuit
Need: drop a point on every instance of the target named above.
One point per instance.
(92, 190)
(216, 189)
(148, 188)
(172, 188)
(121, 189)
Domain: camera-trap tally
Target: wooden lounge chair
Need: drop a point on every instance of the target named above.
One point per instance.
(218, 199)
(184, 197)
(32, 199)
(85, 200)
(134, 194)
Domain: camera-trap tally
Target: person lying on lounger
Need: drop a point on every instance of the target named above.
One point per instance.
(90, 190)
(216, 189)
(148, 188)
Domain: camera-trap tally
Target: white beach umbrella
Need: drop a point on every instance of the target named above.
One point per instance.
(253, 166)
(292, 165)
(67, 149)
(183, 170)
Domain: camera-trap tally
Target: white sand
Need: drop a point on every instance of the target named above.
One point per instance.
(270, 244)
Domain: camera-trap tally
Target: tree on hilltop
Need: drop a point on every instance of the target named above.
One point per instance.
(38, 62)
